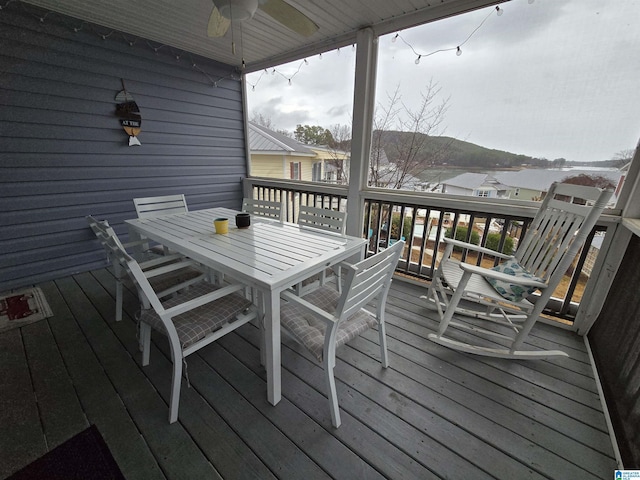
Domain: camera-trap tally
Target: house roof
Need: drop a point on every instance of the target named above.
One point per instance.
(261, 40)
(532, 179)
(541, 179)
(471, 181)
(264, 140)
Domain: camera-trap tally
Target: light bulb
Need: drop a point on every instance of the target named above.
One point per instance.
(458, 51)
(320, 57)
(418, 59)
(305, 62)
(289, 82)
(499, 10)
(395, 37)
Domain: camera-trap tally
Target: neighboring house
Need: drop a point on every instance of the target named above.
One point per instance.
(527, 184)
(532, 184)
(594, 249)
(277, 156)
(476, 185)
(335, 164)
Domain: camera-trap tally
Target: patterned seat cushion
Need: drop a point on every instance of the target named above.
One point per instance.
(168, 280)
(512, 291)
(199, 322)
(310, 330)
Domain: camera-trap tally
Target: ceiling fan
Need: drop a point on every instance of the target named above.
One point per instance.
(225, 11)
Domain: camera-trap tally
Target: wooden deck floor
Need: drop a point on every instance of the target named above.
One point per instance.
(434, 413)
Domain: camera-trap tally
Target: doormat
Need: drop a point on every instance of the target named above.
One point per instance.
(83, 457)
(22, 308)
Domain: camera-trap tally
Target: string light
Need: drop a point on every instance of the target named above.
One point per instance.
(41, 18)
(104, 36)
(498, 11)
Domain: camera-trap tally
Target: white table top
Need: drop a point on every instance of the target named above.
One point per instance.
(269, 254)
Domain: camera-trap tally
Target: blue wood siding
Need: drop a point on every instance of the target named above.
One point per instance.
(63, 154)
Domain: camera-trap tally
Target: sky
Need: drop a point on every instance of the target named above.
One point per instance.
(548, 79)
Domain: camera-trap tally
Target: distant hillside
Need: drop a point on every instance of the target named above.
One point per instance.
(453, 152)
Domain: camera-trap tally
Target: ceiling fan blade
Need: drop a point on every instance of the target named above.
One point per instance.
(289, 16)
(218, 25)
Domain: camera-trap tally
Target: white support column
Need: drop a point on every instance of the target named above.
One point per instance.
(363, 107)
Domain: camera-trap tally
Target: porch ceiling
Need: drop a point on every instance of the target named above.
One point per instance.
(262, 41)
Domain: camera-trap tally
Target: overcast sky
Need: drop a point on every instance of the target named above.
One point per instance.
(549, 79)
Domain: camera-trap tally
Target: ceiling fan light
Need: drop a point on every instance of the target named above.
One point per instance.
(238, 9)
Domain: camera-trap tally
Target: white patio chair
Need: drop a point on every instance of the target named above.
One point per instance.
(164, 205)
(147, 207)
(164, 272)
(191, 319)
(327, 220)
(263, 208)
(504, 295)
(324, 319)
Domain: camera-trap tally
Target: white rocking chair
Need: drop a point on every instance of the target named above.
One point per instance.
(504, 295)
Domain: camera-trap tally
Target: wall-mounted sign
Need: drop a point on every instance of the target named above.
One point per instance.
(129, 113)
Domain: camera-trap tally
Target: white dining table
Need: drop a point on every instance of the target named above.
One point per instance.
(269, 256)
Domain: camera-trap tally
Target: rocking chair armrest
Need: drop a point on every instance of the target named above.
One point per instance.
(476, 248)
(203, 300)
(504, 277)
(310, 307)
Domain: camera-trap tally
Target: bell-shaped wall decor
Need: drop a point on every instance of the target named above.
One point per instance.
(129, 113)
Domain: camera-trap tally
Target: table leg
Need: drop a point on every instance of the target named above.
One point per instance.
(272, 345)
(138, 249)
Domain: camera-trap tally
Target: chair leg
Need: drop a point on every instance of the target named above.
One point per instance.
(453, 303)
(145, 342)
(118, 300)
(175, 386)
(384, 356)
(117, 269)
(331, 393)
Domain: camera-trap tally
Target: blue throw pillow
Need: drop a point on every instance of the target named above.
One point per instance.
(511, 291)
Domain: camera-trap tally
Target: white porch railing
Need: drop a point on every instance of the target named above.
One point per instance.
(423, 220)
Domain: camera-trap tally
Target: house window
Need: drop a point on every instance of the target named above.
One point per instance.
(483, 193)
(330, 176)
(295, 170)
(316, 173)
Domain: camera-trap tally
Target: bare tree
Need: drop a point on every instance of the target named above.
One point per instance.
(339, 151)
(266, 122)
(623, 157)
(403, 143)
